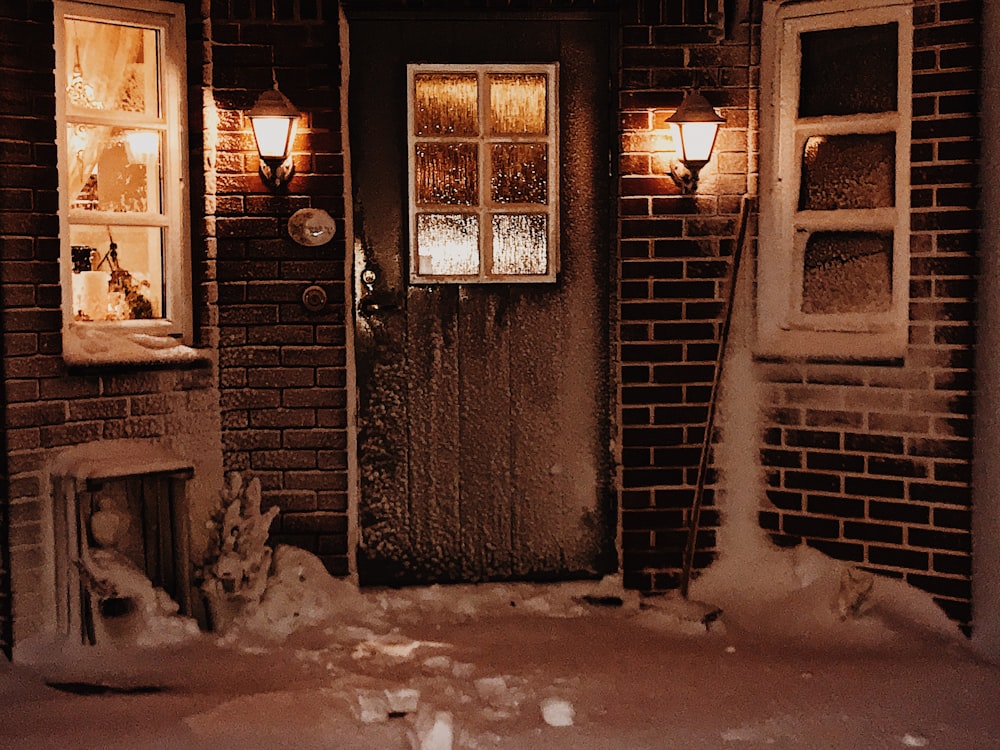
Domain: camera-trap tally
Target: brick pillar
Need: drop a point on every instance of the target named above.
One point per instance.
(283, 369)
(675, 255)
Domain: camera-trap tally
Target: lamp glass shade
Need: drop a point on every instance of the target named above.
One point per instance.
(273, 119)
(697, 140)
(273, 135)
(698, 123)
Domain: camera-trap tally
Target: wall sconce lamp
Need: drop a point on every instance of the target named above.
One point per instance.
(273, 120)
(698, 124)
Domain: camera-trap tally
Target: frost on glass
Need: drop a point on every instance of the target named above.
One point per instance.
(447, 173)
(520, 244)
(517, 104)
(117, 272)
(849, 71)
(111, 68)
(520, 172)
(445, 104)
(847, 272)
(447, 244)
(114, 169)
(848, 171)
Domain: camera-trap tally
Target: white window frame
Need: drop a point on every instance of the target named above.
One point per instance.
(134, 341)
(486, 208)
(783, 330)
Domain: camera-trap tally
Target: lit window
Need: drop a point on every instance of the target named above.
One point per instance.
(120, 111)
(834, 225)
(483, 156)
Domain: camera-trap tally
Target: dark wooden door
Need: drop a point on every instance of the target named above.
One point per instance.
(483, 438)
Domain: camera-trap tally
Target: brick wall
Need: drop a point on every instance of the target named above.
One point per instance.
(675, 261)
(48, 407)
(30, 294)
(283, 369)
(872, 464)
(868, 464)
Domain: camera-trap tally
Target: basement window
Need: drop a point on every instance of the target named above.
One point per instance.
(483, 173)
(834, 228)
(120, 110)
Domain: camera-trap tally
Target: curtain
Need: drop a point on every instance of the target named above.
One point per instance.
(103, 56)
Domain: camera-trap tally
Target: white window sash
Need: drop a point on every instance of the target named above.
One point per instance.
(173, 217)
(783, 330)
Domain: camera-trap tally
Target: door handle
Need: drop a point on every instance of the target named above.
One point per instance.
(374, 300)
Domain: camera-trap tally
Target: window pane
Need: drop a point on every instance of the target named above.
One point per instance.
(520, 243)
(111, 68)
(848, 71)
(447, 173)
(117, 272)
(520, 172)
(114, 169)
(848, 171)
(847, 272)
(445, 104)
(447, 244)
(517, 104)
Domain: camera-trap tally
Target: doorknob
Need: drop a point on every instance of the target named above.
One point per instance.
(374, 300)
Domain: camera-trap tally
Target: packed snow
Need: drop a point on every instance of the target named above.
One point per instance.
(587, 664)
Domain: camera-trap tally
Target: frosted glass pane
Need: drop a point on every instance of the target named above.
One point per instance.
(520, 172)
(111, 67)
(117, 272)
(517, 104)
(447, 244)
(520, 243)
(447, 173)
(847, 272)
(445, 104)
(848, 171)
(114, 169)
(849, 71)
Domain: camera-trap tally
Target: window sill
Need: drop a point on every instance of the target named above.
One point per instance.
(872, 347)
(89, 346)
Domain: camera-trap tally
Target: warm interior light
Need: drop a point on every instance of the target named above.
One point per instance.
(142, 145)
(273, 120)
(697, 124)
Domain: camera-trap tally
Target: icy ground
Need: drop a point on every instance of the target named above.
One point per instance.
(795, 660)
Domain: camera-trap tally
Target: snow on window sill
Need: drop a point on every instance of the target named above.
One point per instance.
(88, 345)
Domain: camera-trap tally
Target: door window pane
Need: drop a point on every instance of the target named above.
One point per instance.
(847, 272)
(849, 71)
(519, 243)
(520, 173)
(448, 244)
(447, 173)
(517, 104)
(446, 104)
(848, 171)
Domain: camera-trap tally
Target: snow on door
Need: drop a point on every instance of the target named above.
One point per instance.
(483, 429)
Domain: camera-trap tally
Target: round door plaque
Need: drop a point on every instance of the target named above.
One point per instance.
(311, 227)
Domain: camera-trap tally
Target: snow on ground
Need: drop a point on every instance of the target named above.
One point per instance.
(574, 665)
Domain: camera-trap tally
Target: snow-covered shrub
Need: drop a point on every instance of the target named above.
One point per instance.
(235, 572)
